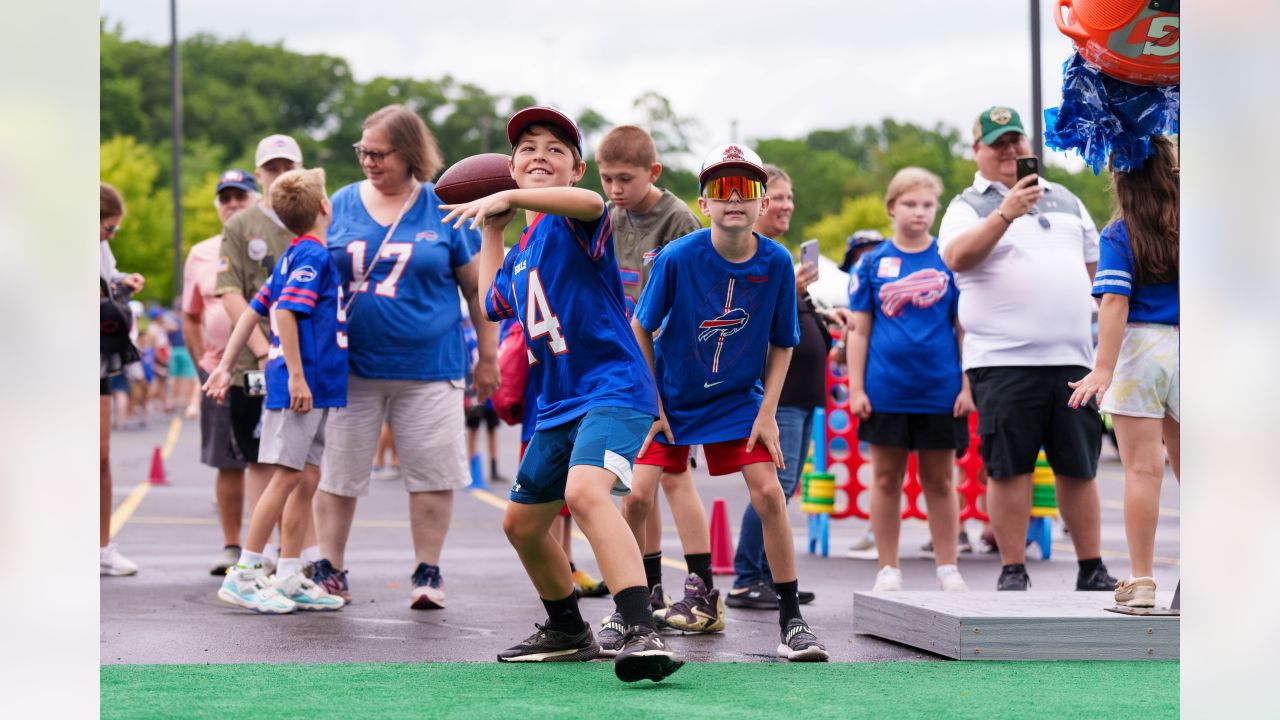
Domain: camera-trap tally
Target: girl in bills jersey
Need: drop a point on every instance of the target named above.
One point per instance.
(904, 374)
(1136, 375)
(596, 399)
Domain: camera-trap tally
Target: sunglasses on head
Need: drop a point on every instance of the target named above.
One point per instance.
(723, 188)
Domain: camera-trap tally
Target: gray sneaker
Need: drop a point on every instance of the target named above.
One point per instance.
(613, 633)
(230, 554)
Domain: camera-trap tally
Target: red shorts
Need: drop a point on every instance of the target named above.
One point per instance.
(564, 509)
(723, 458)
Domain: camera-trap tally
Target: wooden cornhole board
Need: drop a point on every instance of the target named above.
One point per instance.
(1017, 625)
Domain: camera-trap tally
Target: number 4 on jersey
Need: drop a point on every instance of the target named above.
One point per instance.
(539, 320)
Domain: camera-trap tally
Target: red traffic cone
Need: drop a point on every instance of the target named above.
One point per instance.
(721, 540)
(157, 469)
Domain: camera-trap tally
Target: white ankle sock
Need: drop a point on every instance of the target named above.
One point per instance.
(310, 554)
(249, 559)
(1144, 577)
(288, 566)
(271, 551)
(948, 570)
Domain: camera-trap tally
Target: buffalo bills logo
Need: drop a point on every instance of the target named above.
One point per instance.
(921, 289)
(733, 152)
(723, 326)
(304, 274)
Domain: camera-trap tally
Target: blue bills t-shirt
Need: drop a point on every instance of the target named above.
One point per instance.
(718, 320)
(562, 284)
(306, 283)
(405, 320)
(1154, 303)
(913, 364)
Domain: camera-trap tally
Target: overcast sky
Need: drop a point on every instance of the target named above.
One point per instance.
(776, 68)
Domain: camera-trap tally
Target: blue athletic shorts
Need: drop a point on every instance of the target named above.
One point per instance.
(605, 437)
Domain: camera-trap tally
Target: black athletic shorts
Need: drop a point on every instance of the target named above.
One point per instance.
(104, 388)
(915, 431)
(476, 413)
(1023, 409)
(246, 414)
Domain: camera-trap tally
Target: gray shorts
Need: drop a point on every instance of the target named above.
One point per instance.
(293, 440)
(427, 422)
(218, 448)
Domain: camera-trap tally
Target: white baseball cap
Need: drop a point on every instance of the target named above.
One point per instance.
(277, 146)
(732, 155)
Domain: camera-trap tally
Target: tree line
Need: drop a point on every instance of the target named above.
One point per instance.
(236, 91)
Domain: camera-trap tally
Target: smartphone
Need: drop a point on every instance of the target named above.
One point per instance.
(809, 253)
(255, 383)
(1029, 165)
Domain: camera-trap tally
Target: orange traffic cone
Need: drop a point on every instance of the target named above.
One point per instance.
(157, 469)
(721, 541)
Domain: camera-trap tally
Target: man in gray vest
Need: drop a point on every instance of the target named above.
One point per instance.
(1024, 253)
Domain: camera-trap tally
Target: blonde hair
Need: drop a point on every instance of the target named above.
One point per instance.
(410, 137)
(297, 197)
(628, 145)
(908, 179)
(773, 172)
(110, 204)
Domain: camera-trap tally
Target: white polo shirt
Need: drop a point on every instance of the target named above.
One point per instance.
(1029, 301)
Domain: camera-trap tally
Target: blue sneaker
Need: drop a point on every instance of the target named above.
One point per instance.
(331, 579)
(249, 588)
(428, 588)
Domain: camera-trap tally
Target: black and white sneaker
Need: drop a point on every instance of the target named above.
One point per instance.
(644, 656)
(612, 635)
(549, 645)
(799, 644)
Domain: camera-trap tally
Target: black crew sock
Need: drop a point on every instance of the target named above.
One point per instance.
(633, 605)
(700, 565)
(573, 568)
(1088, 566)
(788, 602)
(563, 615)
(493, 468)
(1014, 568)
(653, 570)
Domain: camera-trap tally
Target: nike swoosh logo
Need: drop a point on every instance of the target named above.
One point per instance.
(707, 384)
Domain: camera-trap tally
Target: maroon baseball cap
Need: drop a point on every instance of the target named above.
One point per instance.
(544, 114)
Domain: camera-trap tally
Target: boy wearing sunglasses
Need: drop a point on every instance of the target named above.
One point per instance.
(724, 298)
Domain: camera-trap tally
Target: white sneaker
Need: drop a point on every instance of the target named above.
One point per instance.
(249, 588)
(949, 579)
(305, 594)
(888, 579)
(111, 562)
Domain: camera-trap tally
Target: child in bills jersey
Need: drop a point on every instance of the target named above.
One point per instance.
(725, 300)
(306, 378)
(595, 398)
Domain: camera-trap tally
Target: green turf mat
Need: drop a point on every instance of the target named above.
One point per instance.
(778, 691)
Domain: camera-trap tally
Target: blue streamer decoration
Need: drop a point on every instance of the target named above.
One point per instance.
(1100, 115)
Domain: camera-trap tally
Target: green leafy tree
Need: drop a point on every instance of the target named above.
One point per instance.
(865, 212)
(144, 243)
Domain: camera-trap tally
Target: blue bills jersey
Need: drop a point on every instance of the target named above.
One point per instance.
(1154, 303)
(306, 283)
(562, 284)
(913, 363)
(720, 319)
(405, 318)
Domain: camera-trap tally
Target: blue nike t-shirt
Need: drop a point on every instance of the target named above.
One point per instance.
(718, 319)
(1153, 303)
(306, 283)
(913, 364)
(562, 284)
(405, 321)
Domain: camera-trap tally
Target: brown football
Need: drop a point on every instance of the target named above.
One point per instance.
(475, 177)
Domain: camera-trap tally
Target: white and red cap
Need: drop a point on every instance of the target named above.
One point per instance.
(543, 114)
(277, 146)
(732, 156)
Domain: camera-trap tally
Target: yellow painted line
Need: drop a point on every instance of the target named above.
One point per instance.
(179, 520)
(1114, 554)
(1118, 505)
(492, 500)
(131, 502)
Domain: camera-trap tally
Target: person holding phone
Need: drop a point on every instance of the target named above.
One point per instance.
(804, 390)
(1024, 253)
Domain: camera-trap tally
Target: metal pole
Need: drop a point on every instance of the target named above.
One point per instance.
(175, 106)
(1037, 110)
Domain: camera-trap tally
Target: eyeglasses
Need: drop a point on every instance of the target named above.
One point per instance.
(373, 156)
(110, 229)
(723, 188)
